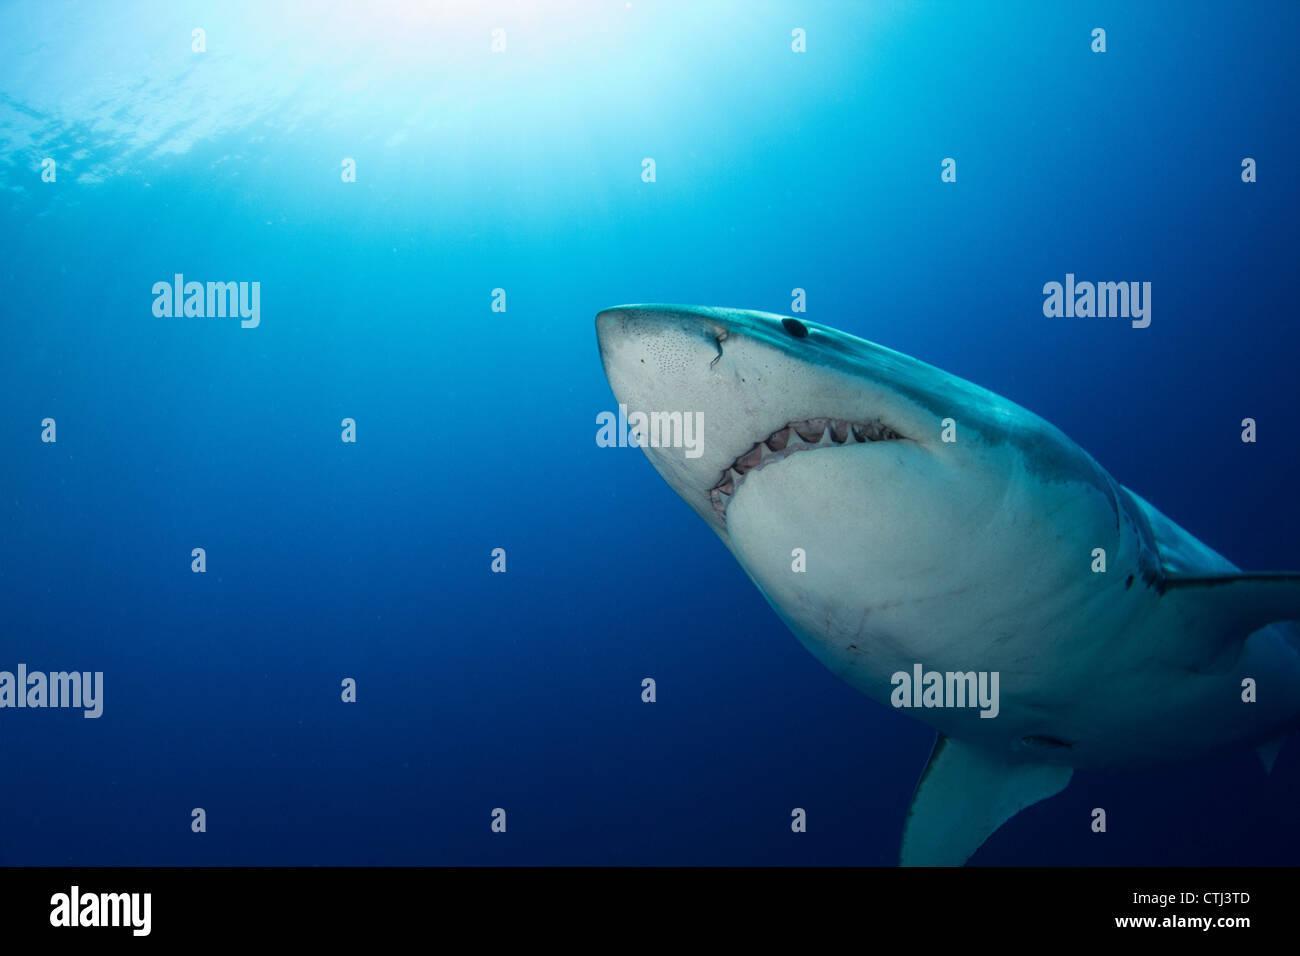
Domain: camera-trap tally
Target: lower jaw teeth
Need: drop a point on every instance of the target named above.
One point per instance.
(813, 433)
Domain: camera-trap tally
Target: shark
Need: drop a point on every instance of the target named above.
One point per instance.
(897, 517)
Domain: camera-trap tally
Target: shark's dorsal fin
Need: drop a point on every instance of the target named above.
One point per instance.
(1231, 607)
(965, 794)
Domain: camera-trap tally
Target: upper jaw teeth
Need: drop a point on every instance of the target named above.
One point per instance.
(795, 437)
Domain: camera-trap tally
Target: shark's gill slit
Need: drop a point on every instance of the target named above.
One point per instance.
(809, 435)
(721, 336)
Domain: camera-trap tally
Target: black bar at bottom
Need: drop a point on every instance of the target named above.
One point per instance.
(609, 906)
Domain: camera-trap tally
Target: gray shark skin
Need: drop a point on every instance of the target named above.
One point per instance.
(974, 555)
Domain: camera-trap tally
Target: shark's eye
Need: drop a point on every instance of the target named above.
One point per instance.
(795, 328)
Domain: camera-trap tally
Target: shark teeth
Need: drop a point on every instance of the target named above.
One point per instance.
(807, 435)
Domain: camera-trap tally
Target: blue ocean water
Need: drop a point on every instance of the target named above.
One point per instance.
(521, 170)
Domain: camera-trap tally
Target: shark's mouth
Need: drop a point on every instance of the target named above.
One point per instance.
(789, 440)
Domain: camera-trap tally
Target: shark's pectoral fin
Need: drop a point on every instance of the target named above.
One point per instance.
(1231, 607)
(965, 794)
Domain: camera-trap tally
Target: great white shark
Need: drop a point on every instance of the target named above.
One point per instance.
(944, 526)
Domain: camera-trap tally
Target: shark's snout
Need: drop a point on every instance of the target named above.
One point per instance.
(668, 336)
(764, 387)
